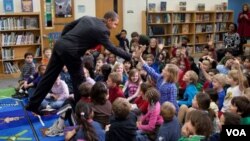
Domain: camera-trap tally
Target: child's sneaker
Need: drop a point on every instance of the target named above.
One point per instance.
(64, 109)
(55, 131)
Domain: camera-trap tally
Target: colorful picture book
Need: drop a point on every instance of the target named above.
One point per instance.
(27, 5)
(8, 6)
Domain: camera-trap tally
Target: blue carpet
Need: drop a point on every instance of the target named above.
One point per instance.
(15, 122)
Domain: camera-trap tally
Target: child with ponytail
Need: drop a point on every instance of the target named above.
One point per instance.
(87, 129)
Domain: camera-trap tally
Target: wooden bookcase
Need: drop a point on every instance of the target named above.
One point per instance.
(19, 33)
(198, 26)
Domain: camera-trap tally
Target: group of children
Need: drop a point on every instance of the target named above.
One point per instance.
(162, 95)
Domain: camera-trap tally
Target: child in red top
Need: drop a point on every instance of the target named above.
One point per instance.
(113, 82)
(141, 103)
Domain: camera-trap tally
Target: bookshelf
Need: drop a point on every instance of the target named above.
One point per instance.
(198, 26)
(19, 33)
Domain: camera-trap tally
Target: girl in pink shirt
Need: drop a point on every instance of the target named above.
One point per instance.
(151, 121)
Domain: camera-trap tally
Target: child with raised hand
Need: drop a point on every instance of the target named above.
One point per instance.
(123, 123)
(190, 78)
(170, 130)
(165, 82)
(198, 127)
(113, 83)
(132, 85)
(87, 128)
(151, 121)
(241, 105)
(235, 80)
(101, 106)
(47, 54)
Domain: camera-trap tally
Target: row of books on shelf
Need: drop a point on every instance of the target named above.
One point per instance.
(10, 68)
(183, 29)
(165, 18)
(203, 17)
(222, 17)
(156, 30)
(19, 39)
(199, 28)
(164, 41)
(9, 53)
(15, 23)
(218, 37)
(182, 17)
(221, 27)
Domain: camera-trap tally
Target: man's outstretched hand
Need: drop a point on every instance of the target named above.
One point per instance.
(138, 51)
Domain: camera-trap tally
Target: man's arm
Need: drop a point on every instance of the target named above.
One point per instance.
(104, 40)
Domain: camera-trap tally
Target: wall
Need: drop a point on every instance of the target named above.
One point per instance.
(18, 7)
(132, 21)
(89, 8)
(236, 5)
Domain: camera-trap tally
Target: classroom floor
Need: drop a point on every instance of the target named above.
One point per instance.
(10, 82)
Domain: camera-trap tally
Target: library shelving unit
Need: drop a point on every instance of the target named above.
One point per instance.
(19, 33)
(198, 26)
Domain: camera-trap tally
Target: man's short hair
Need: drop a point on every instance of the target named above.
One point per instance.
(111, 15)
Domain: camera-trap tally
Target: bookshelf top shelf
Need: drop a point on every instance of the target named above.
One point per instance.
(21, 45)
(158, 23)
(15, 30)
(20, 14)
(189, 12)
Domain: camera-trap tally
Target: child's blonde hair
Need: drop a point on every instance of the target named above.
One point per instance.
(121, 108)
(167, 111)
(132, 73)
(234, 74)
(173, 70)
(221, 78)
(116, 66)
(193, 76)
(115, 78)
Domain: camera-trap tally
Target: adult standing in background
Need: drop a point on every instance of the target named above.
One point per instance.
(244, 24)
(77, 37)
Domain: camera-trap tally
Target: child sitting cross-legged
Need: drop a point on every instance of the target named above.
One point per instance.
(123, 123)
(55, 99)
(151, 121)
(86, 129)
(190, 78)
(65, 113)
(113, 82)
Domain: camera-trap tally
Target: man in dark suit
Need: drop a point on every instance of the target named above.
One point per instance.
(77, 37)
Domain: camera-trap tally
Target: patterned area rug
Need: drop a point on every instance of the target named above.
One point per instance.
(18, 124)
